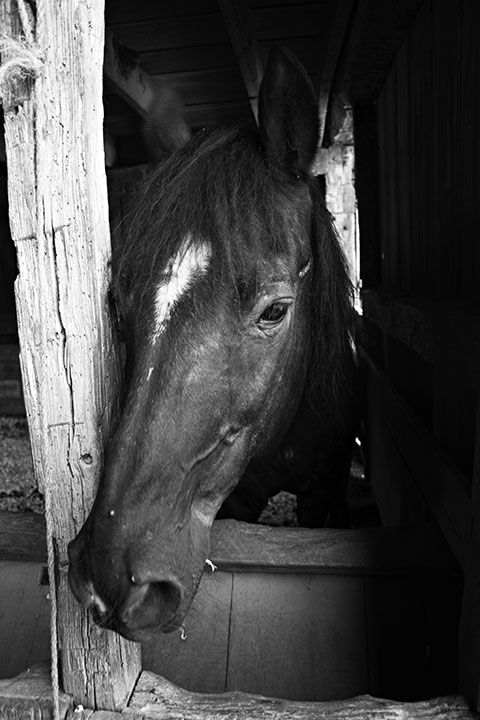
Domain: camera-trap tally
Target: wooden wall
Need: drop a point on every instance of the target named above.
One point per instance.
(289, 612)
(418, 175)
(418, 183)
(428, 122)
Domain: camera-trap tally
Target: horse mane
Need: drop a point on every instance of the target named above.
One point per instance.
(219, 187)
(332, 313)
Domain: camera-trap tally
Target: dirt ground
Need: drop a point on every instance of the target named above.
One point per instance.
(18, 491)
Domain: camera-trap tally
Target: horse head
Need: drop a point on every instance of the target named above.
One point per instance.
(215, 285)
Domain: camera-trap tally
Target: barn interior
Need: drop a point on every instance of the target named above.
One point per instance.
(397, 83)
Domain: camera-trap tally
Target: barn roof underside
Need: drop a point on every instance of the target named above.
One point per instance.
(212, 53)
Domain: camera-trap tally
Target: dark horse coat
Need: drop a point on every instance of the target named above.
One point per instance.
(236, 304)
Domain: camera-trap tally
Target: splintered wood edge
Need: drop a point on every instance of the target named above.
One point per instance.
(154, 698)
(29, 695)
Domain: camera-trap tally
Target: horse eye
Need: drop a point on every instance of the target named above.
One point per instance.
(274, 313)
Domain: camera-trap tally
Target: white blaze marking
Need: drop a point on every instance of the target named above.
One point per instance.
(190, 262)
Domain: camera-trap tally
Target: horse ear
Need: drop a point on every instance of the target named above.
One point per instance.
(288, 114)
(164, 128)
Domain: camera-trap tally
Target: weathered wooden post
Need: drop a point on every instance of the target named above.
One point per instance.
(59, 222)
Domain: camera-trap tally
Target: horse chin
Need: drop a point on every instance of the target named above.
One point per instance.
(142, 634)
(129, 630)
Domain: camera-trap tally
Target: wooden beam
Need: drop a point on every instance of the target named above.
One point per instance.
(238, 546)
(69, 356)
(155, 697)
(326, 72)
(163, 699)
(236, 15)
(469, 636)
(434, 330)
(29, 695)
(434, 476)
(125, 77)
(244, 547)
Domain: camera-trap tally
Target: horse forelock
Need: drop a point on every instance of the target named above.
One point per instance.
(216, 189)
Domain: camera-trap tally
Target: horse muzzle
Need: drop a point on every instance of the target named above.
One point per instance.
(135, 607)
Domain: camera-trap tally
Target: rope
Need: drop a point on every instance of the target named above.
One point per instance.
(25, 62)
(53, 610)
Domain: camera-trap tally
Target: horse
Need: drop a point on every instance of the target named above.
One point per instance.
(236, 304)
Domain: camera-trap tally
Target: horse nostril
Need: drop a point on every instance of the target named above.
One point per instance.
(152, 604)
(168, 596)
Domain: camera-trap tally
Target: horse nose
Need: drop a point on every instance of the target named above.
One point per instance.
(152, 604)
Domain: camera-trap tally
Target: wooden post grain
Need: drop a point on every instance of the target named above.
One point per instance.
(69, 359)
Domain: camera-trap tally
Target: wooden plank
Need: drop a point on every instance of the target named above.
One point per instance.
(442, 600)
(24, 617)
(122, 11)
(22, 537)
(430, 164)
(196, 116)
(157, 699)
(125, 77)
(404, 320)
(199, 116)
(196, 659)
(397, 498)
(404, 154)
(250, 548)
(469, 645)
(454, 416)
(294, 20)
(419, 259)
(221, 85)
(171, 32)
(382, 131)
(397, 651)
(436, 478)
(298, 636)
(237, 18)
(376, 33)
(432, 329)
(70, 367)
(391, 249)
(169, 61)
(29, 695)
(412, 629)
(469, 636)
